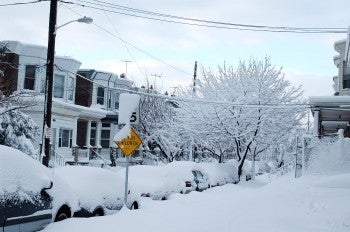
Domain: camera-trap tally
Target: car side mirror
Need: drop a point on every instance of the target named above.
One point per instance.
(50, 187)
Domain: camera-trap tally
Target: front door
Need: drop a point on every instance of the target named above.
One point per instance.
(81, 133)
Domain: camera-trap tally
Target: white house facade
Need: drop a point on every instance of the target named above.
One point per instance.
(84, 101)
(332, 113)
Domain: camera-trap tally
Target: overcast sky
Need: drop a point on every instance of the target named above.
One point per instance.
(169, 50)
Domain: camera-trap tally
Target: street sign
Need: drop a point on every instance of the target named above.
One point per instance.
(48, 132)
(128, 145)
(135, 117)
(129, 109)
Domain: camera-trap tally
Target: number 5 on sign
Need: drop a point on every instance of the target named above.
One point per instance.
(135, 117)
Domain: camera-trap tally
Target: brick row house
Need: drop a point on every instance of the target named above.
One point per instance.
(332, 113)
(85, 102)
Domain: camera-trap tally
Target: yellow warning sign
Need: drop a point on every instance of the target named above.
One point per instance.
(129, 144)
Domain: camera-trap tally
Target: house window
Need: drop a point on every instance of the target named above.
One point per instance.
(346, 81)
(70, 88)
(105, 134)
(59, 86)
(29, 78)
(93, 134)
(100, 95)
(65, 138)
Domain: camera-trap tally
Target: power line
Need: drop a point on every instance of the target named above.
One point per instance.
(21, 3)
(204, 23)
(135, 47)
(126, 47)
(194, 100)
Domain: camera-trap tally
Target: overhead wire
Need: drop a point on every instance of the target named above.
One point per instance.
(205, 23)
(116, 31)
(192, 100)
(134, 46)
(21, 3)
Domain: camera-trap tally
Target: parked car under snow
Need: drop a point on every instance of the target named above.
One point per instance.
(159, 182)
(28, 193)
(220, 173)
(99, 191)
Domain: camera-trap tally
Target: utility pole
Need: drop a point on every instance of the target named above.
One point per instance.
(194, 77)
(49, 79)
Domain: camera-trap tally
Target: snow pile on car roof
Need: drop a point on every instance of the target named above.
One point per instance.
(93, 186)
(220, 173)
(20, 174)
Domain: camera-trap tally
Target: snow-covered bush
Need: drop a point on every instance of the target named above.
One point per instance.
(17, 130)
(328, 157)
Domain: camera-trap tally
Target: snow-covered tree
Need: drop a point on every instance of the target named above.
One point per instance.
(17, 129)
(247, 109)
(157, 116)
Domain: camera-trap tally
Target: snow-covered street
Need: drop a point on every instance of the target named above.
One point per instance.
(310, 203)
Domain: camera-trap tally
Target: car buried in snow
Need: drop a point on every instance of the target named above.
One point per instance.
(99, 191)
(159, 182)
(29, 193)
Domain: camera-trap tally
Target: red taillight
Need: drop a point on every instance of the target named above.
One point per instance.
(188, 183)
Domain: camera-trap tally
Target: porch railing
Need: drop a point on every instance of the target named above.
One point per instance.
(59, 160)
(95, 154)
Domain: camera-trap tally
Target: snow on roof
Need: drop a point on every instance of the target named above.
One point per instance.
(329, 101)
(339, 45)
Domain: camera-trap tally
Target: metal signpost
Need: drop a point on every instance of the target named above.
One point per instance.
(128, 146)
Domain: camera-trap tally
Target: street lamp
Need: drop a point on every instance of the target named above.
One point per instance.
(85, 19)
(49, 75)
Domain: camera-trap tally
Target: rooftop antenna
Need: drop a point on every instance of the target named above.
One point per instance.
(126, 65)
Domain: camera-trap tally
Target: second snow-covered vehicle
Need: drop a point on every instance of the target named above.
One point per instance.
(99, 191)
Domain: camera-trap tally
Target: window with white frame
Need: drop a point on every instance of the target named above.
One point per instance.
(100, 95)
(59, 86)
(65, 137)
(29, 77)
(70, 88)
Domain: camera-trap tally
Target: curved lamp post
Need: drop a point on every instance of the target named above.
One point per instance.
(50, 73)
(84, 19)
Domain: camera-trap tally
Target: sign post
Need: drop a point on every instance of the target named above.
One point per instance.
(128, 145)
(126, 181)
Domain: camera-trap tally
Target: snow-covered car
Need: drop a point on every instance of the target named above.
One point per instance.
(190, 173)
(27, 193)
(201, 180)
(220, 173)
(159, 182)
(99, 191)
(260, 168)
(148, 181)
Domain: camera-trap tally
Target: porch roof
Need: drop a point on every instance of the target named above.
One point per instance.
(334, 111)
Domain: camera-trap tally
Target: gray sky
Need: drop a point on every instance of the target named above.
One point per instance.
(155, 47)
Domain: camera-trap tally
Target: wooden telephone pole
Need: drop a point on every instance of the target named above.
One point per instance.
(49, 80)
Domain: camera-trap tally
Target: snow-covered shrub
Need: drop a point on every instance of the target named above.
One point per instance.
(18, 130)
(327, 156)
